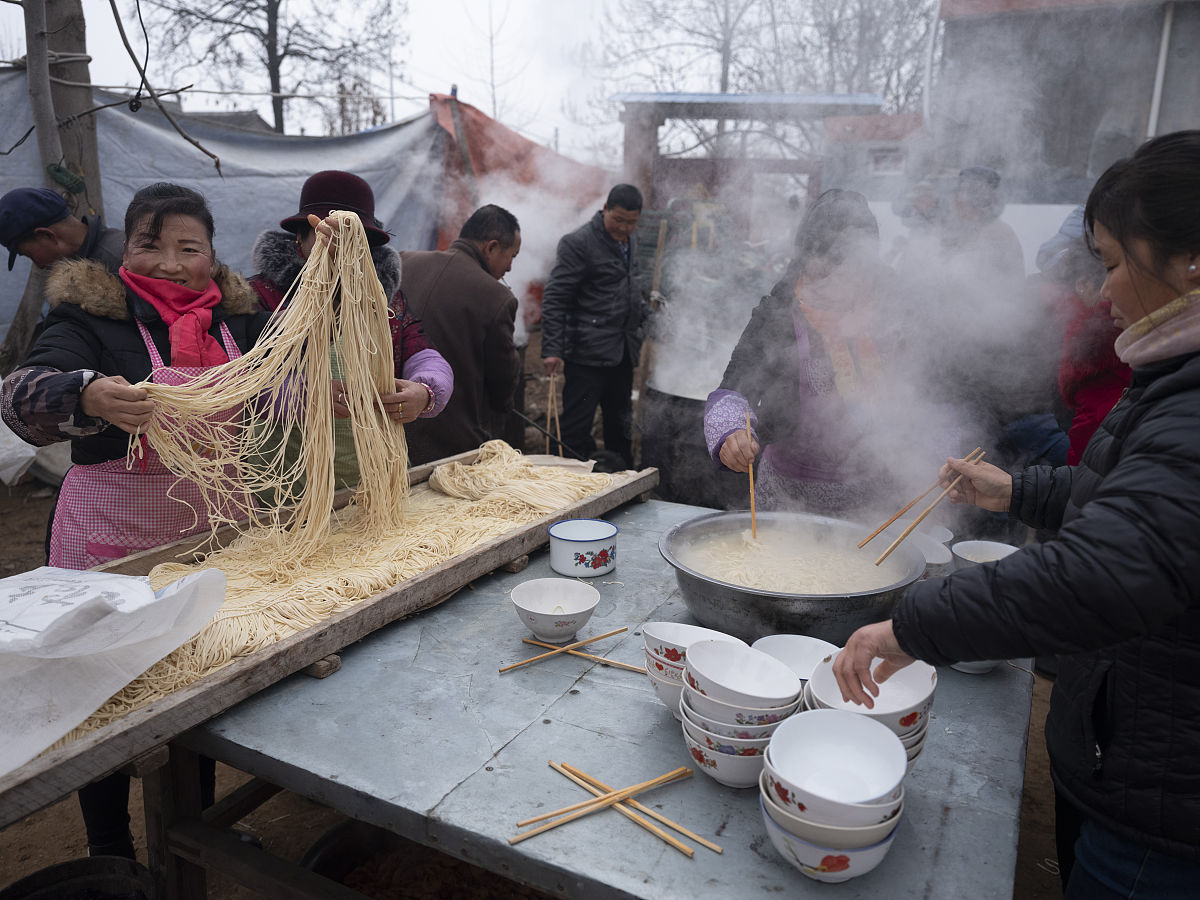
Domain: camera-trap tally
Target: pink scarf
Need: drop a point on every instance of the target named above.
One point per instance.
(188, 315)
(1169, 331)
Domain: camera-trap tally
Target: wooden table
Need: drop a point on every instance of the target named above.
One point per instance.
(419, 734)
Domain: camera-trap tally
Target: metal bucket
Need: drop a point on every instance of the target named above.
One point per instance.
(751, 613)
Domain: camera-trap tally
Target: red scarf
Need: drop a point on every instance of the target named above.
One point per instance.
(188, 315)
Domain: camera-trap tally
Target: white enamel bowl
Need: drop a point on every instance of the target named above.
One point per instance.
(663, 668)
(720, 743)
(827, 758)
(799, 652)
(583, 548)
(730, 714)
(670, 640)
(826, 864)
(904, 699)
(744, 732)
(554, 608)
(973, 553)
(667, 692)
(729, 770)
(977, 667)
(851, 815)
(913, 738)
(836, 837)
(740, 676)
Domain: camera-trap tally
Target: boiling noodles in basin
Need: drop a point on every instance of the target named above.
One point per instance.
(788, 561)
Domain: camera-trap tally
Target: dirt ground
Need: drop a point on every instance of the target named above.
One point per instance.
(288, 825)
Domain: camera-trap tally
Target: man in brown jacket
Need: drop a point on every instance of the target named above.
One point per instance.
(469, 316)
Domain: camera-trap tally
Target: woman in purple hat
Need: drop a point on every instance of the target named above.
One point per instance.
(424, 380)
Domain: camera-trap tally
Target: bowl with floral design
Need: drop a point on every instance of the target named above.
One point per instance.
(729, 769)
(903, 703)
(554, 608)
(850, 815)
(670, 640)
(740, 675)
(730, 714)
(742, 732)
(828, 864)
(917, 737)
(720, 743)
(667, 692)
(583, 548)
(826, 759)
(840, 837)
(664, 668)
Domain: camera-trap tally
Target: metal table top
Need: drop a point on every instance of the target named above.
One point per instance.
(418, 733)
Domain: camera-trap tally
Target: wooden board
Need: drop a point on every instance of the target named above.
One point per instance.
(55, 774)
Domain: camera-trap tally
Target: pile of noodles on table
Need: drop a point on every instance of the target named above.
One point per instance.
(227, 431)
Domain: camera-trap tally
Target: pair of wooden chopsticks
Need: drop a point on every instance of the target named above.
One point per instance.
(600, 801)
(974, 456)
(558, 650)
(603, 660)
(552, 415)
(753, 512)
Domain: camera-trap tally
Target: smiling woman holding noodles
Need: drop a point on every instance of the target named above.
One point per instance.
(1116, 592)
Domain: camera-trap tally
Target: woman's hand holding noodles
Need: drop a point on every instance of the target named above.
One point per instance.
(115, 400)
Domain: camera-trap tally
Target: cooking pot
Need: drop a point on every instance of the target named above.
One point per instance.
(751, 613)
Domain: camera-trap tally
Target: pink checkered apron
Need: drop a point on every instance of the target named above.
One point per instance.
(107, 510)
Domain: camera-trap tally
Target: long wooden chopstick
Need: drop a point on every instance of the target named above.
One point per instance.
(596, 803)
(917, 521)
(753, 512)
(563, 649)
(623, 809)
(596, 784)
(603, 660)
(970, 457)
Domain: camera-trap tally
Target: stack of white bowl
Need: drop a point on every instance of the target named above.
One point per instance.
(801, 652)
(832, 792)
(733, 699)
(903, 703)
(666, 646)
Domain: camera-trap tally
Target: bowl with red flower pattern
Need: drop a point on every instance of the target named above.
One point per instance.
(825, 760)
(742, 732)
(730, 714)
(720, 743)
(583, 548)
(839, 837)
(904, 699)
(828, 864)
(913, 738)
(663, 668)
(554, 608)
(670, 640)
(729, 769)
(741, 676)
(668, 692)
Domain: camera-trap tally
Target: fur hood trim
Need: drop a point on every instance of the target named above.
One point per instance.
(275, 259)
(90, 286)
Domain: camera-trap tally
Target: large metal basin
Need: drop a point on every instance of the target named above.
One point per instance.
(750, 613)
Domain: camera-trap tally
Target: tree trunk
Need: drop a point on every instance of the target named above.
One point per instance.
(67, 35)
(275, 64)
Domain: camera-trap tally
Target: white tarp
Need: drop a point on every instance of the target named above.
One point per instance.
(263, 173)
(70, 640)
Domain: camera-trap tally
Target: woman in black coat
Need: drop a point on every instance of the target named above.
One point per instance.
(1116, 591)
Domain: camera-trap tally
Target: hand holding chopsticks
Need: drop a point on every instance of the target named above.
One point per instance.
(917, 521)
(874, 534)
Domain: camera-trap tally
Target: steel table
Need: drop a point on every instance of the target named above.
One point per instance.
(419, 734)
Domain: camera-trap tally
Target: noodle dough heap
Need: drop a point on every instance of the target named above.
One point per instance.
(285, 574)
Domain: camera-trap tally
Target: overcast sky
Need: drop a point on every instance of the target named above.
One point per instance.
(536, 49)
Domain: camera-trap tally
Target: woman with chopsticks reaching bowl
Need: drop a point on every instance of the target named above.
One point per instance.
(804, 368)
(1116, 591)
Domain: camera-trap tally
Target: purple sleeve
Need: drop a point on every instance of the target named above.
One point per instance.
(724, 413)
(430, 368)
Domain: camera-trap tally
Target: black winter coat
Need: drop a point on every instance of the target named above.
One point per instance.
(91, 328)
(592, 308)
(1117, 591)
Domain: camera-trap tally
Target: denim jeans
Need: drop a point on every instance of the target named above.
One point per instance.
(1108, 866)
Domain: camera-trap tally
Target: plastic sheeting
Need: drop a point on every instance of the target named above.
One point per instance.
(263, 173)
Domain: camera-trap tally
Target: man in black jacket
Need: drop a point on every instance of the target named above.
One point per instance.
(592, 315)
(35, 222)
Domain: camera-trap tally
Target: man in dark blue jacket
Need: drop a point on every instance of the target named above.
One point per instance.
(592, 317)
